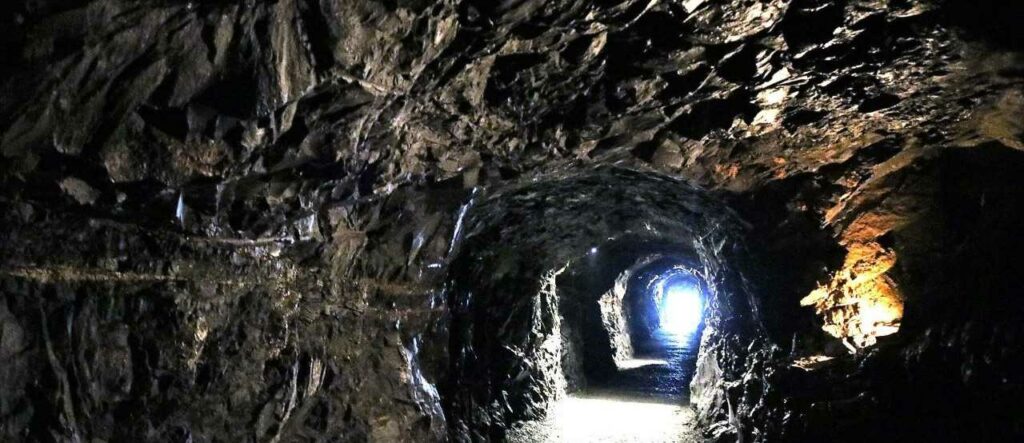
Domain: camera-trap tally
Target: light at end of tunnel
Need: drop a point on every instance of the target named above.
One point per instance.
(593, 250)
(682, 308)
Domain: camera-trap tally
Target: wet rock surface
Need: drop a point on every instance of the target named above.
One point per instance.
(340, 220)
(661, 370)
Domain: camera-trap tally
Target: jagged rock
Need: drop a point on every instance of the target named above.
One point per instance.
(341, 219)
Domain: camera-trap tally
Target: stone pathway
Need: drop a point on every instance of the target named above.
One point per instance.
(645, 402)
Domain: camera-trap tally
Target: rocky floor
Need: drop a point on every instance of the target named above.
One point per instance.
(647, 401)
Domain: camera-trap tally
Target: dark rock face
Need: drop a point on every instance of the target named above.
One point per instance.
(342, 220)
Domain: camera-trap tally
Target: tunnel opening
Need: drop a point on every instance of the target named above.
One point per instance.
(681, 307)
(641, 335)
(564, 303)
(630, 315)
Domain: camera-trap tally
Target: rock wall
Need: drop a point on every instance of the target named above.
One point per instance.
(615, 320)
(121, 333)
(275, 220)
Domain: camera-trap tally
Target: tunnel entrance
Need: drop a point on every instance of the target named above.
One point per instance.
(652, 319)
(558, 329)
(630, 342)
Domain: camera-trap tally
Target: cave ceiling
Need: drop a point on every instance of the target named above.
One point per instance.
(235, 119)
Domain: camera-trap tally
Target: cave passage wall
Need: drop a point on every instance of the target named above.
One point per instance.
(568, 230)
(296, 220)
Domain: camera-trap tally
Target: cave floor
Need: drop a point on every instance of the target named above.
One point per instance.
(647, 401)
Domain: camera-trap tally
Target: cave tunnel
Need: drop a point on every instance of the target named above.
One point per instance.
(519, 221)
(599, 323)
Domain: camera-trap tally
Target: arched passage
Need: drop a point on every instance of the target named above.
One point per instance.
(618, 321)
(542, 309)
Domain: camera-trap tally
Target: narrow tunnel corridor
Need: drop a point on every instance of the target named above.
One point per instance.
(406, 221)
(645, 397)
(617, 322)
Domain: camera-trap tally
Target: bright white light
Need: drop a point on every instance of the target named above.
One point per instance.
(681, 308)
(635, 363)
(595, 417)
(593, 250)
